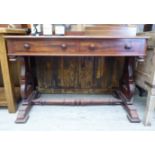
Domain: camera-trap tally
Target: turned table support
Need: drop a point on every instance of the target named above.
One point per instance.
(127, 84)
(26, 89)
(127, 89)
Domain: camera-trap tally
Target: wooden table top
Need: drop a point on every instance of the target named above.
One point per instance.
(74, 37)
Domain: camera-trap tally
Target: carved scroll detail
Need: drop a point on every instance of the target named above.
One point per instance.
(127, 84)
(127, 88)
(27, 90)
(26, 84)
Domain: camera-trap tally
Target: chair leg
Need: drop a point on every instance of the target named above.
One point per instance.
(149, 109)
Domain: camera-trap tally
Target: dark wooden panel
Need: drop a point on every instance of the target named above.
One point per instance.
(78, 74)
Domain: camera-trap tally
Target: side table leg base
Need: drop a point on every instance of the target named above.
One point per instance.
(22, 120)
(132, 114)
(133, 120)
(25, 108)
(131, 110)
(23, 114)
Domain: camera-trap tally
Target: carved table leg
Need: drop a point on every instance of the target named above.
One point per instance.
(27, 90)
(127, 88)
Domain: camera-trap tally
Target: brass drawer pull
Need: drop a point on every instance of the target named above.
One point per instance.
(128, 46)
(92, 47)
(64, 46)
(27, 46)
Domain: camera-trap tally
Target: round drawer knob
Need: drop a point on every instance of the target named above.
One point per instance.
(128, 46)
(27, 46)
(92, 46)
(63, 46)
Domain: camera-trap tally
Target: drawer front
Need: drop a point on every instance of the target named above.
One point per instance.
(41, 47)
(76, 47)
(113, 47)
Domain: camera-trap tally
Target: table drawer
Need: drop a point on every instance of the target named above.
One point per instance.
(41, 47)
(76, 47)
(113, 47)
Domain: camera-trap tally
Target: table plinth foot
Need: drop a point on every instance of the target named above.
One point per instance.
(23, 115)
(25, 108)
(132, 113)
